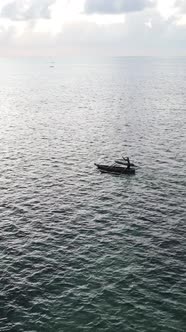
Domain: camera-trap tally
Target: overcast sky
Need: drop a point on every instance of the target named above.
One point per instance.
(92, 27)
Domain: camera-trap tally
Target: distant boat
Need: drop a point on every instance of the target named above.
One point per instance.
(115, 169)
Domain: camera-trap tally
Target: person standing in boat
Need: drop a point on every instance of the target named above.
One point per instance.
(128, 162)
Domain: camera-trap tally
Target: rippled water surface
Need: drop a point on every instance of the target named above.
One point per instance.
(80, 250)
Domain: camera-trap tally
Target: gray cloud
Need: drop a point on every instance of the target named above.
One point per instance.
(133, 37)
(116, 6)
(20, 10)
(181, 5)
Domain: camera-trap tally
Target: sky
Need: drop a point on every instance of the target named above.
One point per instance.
(92, 27)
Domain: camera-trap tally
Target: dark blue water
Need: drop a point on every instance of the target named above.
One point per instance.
(80, 250)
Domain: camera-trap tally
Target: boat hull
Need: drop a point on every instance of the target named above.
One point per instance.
(115, 169)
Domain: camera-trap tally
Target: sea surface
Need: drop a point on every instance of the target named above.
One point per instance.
(81, 250)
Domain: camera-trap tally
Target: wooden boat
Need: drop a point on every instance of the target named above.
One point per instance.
(115, 169)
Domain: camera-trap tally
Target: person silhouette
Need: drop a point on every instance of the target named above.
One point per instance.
(128, 162)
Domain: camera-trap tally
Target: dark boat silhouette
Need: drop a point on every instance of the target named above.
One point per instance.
(115, 169)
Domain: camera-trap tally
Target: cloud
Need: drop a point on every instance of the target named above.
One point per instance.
(116, 6)
(181, 5)
(141, 34)
(134, 37)
(7, 36)
(146, 32)
(24, 10)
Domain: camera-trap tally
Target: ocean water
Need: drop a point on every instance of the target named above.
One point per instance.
(81, 250)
